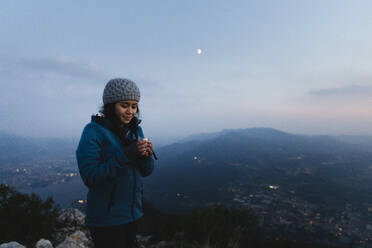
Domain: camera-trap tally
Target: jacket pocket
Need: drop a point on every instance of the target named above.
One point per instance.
(111, 200)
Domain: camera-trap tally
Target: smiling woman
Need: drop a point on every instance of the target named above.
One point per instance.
(113, 156)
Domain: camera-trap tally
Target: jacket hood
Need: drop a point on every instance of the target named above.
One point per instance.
(105, 122)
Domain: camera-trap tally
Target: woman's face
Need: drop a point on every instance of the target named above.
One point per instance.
(125, 110)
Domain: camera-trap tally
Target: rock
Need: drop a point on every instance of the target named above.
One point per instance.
(59, 236)
(12, 244)
(43, 243)
(76, 240)
(161, 244)
(164, 244)
(143, 239)
(71, 217)
(79, 236)
(139, 245)
(70, 220)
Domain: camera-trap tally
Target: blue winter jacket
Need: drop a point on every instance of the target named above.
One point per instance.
(114, 181)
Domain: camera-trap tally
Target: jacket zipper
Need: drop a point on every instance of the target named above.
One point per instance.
(134, 191)
(135, 179)
(111, 200)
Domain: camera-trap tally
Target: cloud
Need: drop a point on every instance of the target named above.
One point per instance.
(62, 65)
(62, 69)
(48, 79)
(350, 90)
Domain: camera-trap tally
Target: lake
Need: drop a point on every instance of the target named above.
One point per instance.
(63, 193)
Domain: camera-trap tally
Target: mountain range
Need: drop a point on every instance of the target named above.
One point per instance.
(203, 169)
(18, 149)
(321, 169)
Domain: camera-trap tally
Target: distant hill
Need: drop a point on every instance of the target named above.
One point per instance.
(362, 141)
(19, 149)
(319, 168)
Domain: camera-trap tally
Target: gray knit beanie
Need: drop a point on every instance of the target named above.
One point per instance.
(120, 89)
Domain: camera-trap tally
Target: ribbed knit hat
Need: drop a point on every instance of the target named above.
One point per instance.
(120, 89)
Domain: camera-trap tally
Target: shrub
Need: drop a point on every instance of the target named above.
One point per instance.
(220, 225)
(25, 218)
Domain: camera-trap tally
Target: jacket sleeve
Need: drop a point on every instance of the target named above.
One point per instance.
(93, 170)
(145, 165)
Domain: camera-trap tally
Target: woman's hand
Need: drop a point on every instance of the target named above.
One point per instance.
(145, 147)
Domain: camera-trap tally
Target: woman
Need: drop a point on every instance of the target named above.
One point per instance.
(113, 156)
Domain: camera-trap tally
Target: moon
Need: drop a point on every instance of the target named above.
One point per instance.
(199, 51)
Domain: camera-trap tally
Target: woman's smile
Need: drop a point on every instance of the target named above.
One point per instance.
(128, 118)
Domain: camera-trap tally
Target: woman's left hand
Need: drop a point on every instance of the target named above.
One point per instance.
(145, 147)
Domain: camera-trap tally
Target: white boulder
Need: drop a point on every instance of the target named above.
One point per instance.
(43, 243)
(76, 240)
(72, 217)
(12, 244)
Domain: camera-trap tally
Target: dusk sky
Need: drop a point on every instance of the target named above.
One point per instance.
(297, 66)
